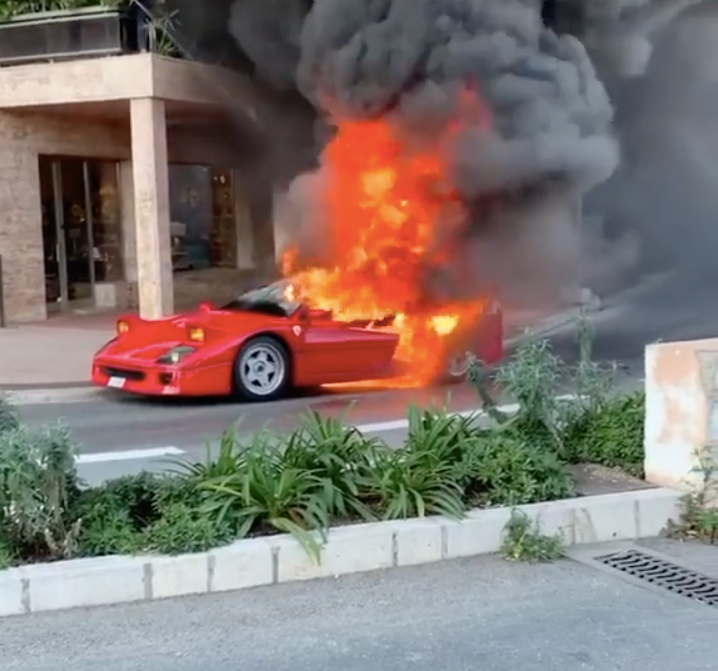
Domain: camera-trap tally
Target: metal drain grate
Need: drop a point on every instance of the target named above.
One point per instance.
(664, 574)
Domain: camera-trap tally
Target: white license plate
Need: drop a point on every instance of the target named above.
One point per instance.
(116, 382)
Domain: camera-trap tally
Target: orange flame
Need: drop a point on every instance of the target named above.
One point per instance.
(384, 202)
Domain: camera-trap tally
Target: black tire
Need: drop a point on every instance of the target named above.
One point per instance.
(456, 368)
(251, 379)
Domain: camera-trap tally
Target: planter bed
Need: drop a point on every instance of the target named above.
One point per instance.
(351, 549)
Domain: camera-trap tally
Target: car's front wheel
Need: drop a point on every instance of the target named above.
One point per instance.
(262, 370)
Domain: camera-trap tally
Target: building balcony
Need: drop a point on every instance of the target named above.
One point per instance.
(123, 27)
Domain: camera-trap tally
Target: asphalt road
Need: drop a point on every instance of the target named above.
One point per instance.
(120, 434)
(479, 614)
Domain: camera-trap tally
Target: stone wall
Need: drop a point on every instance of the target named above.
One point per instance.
(681, 431)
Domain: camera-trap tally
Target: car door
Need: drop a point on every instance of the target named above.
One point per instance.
(332, 351)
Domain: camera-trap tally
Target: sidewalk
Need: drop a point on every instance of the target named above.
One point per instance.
(52, 354)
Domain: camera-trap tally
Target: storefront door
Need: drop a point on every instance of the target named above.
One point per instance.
(79, 214)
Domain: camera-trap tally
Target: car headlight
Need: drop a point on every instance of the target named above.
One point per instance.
(176, 354)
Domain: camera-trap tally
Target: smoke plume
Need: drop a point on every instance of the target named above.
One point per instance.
(546, 83)
(665, 189)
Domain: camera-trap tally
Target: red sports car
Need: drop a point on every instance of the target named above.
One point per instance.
(259, 346)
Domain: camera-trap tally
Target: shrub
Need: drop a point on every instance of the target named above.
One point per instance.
(491, 465)
(504, 469)
(9, 416)
(411, 482)
(262, 492)
(569, 411)
(610, 434)
(181, 528)
(144, 512)
(340, 456)
(38, 489)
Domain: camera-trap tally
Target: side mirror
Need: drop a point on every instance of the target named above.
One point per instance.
(206, 306)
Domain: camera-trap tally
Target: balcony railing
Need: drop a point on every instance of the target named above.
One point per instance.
(70, 34)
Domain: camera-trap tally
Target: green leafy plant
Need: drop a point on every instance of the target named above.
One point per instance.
(610, 434)
(423, 477)
(9, 415)
(506, 469)
(409, 483)
(229, 460)
(532, 377)
(340, 456)
(699, 511)
(109, 532)
(38, 487)
(11, 8)
(161, 21)
(182, 529)
(266, 492)
(523, 541)
(116, 514)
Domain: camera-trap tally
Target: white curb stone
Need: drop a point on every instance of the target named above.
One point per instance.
(85, 582)
(350, 549)
(654, 509)
(480, 533)
(248, 563)
(180, 576)
(419, 541)
(12, 601)
(353, 549)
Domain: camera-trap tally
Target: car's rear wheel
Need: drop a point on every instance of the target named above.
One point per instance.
(262, 370)
(457, 367)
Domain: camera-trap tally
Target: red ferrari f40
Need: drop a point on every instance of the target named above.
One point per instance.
(261, 345)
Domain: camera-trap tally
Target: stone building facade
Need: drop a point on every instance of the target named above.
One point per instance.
(132, 116)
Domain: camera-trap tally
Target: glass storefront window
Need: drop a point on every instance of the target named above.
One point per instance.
(104, 192)
(204, 227)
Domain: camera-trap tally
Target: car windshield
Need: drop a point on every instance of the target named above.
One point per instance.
(271, 300)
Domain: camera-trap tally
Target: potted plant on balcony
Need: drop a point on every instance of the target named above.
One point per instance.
(35, 30)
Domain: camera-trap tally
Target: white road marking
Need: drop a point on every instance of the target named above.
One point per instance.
(398, 424)
(129, 455)
(171, 451)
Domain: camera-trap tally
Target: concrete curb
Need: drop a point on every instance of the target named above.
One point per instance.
(351, 549)
(41, 396)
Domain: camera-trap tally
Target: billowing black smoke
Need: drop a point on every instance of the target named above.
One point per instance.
(535, 65)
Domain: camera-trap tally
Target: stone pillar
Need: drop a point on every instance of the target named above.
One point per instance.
(152, 211)
(21, 233)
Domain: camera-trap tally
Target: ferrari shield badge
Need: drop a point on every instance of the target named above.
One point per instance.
(297, 330)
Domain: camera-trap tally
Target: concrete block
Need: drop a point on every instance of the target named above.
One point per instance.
(656, 507)
(609, 517)
(11, 593)
(681, 410)
(180, 576)
(419, 541)
(364, 547)
(85, 582)
(247, 563)
(480, 533)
